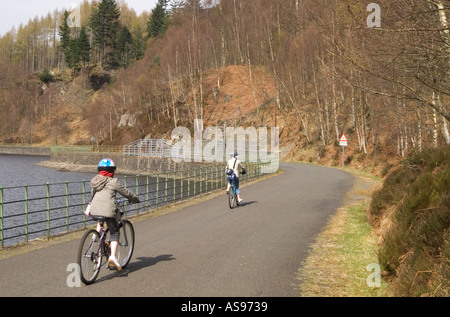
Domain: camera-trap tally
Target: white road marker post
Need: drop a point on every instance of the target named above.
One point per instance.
(343, 141)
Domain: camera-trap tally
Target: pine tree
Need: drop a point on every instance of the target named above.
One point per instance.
(124, 45)
(65, 43)
(138, 46)
(64, 32)
(73, 54)
(85, 47)
(157, 23)
(105, 23)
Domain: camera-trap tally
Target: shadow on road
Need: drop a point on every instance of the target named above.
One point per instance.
(142, 262)
(246, 203)
(148, 261)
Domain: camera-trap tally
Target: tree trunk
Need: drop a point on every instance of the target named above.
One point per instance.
(435, 123)
(444, 127)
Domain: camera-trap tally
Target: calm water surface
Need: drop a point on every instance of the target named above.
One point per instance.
(64, 210)
(18, 170)
(60, 204)
(28, 204)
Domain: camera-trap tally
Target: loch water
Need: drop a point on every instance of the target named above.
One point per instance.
(20, 170)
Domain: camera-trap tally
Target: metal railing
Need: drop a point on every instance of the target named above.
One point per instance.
(149, 147)
(40, 211)
(161, 148)
(87, 149)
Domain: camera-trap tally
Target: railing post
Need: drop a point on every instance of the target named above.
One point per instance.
(147, 191)
(189, 183)
(125, 209)
(67, 206)
(211, 177)
(137, 193)
(174, 185)
(165, 189)
(84, 203)
(215, 176)
(206, 179)
(1, 214)
(181, 189)
(26, 213)
(157, 190)
(195, 181)
(48, 211)
(201, 180)
(245, 177)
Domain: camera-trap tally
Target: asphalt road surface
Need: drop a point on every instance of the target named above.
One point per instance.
(204, 250)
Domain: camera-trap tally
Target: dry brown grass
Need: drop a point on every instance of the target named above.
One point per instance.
(237, 99)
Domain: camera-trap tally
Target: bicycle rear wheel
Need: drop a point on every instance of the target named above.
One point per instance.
(89, 256)
(126, 243)
(232, 198)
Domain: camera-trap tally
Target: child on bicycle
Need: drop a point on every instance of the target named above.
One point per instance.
(104, 188)
(235, 164)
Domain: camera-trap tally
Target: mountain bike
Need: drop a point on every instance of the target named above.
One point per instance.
(232, 195)
(95, 245)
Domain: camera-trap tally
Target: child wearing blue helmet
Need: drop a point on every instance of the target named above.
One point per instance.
(104, 189)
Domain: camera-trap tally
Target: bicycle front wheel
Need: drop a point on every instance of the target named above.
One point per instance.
(232, 198)
(89, 256)
(126, 243)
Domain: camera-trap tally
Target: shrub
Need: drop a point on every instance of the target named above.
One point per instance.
(46, 77)
(415, 249)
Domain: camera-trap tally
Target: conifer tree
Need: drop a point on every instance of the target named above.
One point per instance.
(157, 23)
(104, 23)
(85, 47)
(72, 54)
(64, 32)
(138, 46)
(124, 45)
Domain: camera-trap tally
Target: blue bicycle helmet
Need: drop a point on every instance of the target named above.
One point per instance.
(106, 165)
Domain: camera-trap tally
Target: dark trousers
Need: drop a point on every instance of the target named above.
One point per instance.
(114, 229)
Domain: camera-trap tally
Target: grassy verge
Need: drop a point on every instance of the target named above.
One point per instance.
(339, 259)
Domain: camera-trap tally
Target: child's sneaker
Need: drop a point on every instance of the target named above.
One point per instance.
(113, 262)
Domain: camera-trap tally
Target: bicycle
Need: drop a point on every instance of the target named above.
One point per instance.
(232, 195)
(94, 246)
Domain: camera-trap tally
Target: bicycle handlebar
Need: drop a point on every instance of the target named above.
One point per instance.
(120, 202)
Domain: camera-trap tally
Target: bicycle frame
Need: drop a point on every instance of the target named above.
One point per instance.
(102, 249)
(103, 244)
(232, 199)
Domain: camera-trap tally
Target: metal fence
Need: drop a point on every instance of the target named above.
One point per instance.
(87, 149)
(144, 147)
(40, 211)
(161, 148)
(218, 153)
(149, 147)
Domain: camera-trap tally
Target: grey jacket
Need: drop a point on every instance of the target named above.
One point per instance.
(104, 202)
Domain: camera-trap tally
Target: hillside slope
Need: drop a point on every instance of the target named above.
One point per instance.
(230, 96)
(412, 214)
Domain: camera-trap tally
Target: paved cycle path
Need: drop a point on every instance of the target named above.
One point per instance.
(206, 249)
